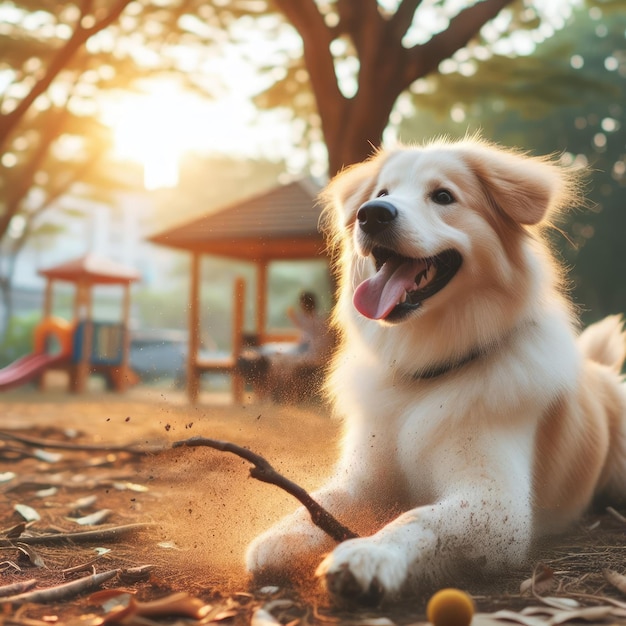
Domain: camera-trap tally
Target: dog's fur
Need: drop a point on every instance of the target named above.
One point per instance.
(480, 419)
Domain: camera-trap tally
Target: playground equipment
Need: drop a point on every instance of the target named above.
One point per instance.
(84, 346)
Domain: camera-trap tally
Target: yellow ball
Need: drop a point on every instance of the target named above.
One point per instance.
(450, 607)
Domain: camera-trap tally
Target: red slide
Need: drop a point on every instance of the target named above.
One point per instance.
(27, 368)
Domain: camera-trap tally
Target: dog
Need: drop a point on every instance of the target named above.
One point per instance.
(477, 416)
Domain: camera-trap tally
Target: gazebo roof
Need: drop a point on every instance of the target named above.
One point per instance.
(279, 223)
(92, 269)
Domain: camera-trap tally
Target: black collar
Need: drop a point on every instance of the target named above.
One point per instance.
(434, 371)
(441, 369)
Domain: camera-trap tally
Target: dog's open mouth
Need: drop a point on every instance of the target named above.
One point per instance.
(400, 284)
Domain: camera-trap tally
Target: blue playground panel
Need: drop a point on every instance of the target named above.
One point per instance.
(107, 345)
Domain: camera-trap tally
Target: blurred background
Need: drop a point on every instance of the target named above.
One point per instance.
(120, 119)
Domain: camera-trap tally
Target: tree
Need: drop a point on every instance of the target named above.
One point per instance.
(342, 79)
(373, 38)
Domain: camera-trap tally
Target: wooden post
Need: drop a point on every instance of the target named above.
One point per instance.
(84, 314)
(261, 299)
(47, 300)
(239, 300)
(124, 373)
(193, 374)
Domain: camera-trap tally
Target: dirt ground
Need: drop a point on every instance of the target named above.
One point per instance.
(201, 508)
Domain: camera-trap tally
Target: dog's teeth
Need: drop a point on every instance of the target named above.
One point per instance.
(403, 298)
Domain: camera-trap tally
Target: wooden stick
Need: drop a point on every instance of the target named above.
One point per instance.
(19, 587)
(85, 535)
(64, 591)
(77, 447)
(618, 516)
(264, 472)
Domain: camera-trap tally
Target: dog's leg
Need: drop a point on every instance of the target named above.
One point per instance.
(296, 542)
(483, 520)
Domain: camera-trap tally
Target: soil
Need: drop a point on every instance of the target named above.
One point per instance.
(200, 508)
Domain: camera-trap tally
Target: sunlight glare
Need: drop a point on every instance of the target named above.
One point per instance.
(156, 130)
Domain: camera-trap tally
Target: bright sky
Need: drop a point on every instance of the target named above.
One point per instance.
(158, 128)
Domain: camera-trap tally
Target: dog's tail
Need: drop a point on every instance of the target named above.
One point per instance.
(605, 342)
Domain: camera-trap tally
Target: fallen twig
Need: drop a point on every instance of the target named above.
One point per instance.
(78, 447)
(618, 516)
(19, 587)
(62, 592)
(85, 535)
(615, 578)
(264, 472)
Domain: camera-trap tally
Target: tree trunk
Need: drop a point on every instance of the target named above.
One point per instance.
(353, 127)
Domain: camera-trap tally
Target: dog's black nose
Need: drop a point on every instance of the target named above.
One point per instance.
(376, 215)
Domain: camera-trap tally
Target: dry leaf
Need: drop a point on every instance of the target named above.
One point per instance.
(46, 493)
(4, 565)
(221, 616)
(280, 604)
(541, 581)
(48, 457)
(261, 617)
(588, 614)
(130, 487)
(136, 574)
(5, 477)
(111, 598)
(615, 578)
(31, 554)
(556, 605)
(122, 604)
(83, 503)
(117, 603)
(181, 604)
(510, 616)
(27, 512)
(92, 519)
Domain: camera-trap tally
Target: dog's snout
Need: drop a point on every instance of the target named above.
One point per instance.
(376, 215)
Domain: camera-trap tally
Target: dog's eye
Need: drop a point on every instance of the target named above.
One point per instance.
(442, 196)
(382, 192)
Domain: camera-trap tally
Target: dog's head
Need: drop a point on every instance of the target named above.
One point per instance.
(418, 223)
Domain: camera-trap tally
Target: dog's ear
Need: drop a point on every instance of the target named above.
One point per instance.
(525, 188)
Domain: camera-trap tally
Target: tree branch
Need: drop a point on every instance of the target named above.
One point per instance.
(426, 57)
(64, 591)
(60, 445)
(264, 472)
(62, 58)
(403, 17)
(113, 532)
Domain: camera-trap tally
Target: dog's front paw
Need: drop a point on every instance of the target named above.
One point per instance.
(283, 549)
(364, 570)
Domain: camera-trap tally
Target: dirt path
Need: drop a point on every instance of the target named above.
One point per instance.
(202, 505)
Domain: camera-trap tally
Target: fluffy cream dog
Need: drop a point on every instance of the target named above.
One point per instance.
(476, 418)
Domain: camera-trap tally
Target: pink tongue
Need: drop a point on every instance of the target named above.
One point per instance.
(377, 296)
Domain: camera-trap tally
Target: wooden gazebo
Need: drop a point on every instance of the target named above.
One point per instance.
(85, 273)
(280, 224)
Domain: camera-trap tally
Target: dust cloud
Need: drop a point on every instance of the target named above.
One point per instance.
(204, 505)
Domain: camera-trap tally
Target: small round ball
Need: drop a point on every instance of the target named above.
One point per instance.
(450, 607)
